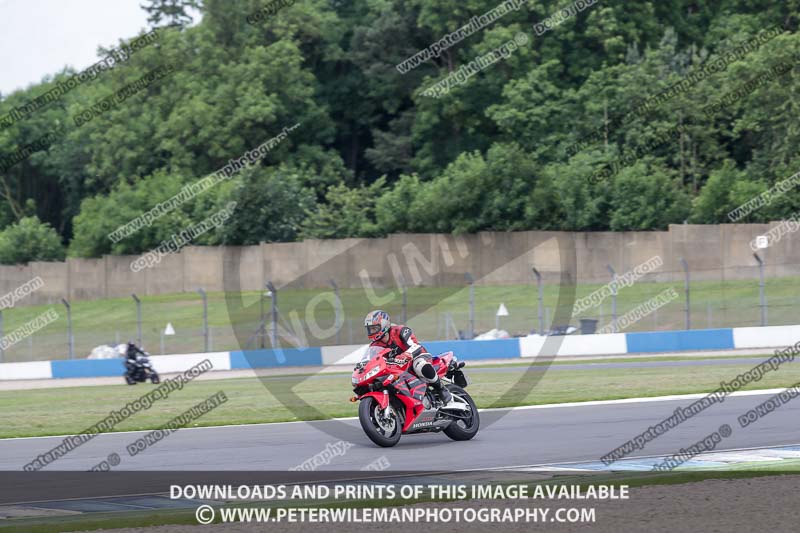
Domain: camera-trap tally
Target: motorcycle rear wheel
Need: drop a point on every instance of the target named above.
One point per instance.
(383, 431)
(463, 429)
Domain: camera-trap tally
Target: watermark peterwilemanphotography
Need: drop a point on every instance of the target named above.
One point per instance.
(705, 444)
(188, 192)
(623, 280)
(114, 57)
(710, 67)
(11, 298)
(336, 449)
(268, 10)
(776, 233)
(765, 198)
(476, 24)
(179, 240)
(21, 154)
(734, 96)
(116, 417)
(475, 66)
(682, 414)
(557, 19)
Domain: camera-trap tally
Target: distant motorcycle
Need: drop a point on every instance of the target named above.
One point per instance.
(395, 402)
(140, 370)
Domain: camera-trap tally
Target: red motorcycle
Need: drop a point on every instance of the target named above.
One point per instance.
(395, 402)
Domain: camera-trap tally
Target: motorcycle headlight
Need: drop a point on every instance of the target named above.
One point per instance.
(370, 374)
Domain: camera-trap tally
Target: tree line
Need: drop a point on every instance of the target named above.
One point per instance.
(571, 131)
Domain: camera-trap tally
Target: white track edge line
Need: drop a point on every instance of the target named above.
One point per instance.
(591, 403)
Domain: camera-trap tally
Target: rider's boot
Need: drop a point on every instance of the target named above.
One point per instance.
(442, 392)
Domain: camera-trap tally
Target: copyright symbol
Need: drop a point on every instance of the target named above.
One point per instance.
(521, 38)
(113, 459)
(725, 430)
(204, 514)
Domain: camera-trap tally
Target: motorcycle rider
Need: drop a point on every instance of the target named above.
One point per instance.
(400, 339)
(133, 356)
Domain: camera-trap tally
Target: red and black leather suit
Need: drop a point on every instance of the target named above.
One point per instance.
(403, 343)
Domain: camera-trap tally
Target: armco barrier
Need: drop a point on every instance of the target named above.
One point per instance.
(600, 344)
(755, 337)
(88, 368)
(275, 358)
(349, 354)
(471, 350)
(611, 344)
(676, 341)
(167, 364)
(467, 350)
(29, 370)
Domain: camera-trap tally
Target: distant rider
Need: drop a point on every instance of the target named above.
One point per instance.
(133, 355)
(400, 339)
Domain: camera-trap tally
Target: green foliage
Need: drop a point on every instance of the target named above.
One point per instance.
(271, 204)
(722, 194)
(512, 148)
(641, 204)
(173, 10)
(345, 213)
(102, 215)
(30, 239)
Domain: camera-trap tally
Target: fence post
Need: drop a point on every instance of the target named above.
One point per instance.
(338, 319)
(405, 297)
(70, 338)
(762, 296)
(262, 324)
(686, 290)
(205, 318)
(273, 293)
(613, 298)
(540, 298)
(471, 282)
(138, 318)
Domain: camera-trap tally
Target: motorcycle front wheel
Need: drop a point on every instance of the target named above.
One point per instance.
(383, 429)
(154, 379)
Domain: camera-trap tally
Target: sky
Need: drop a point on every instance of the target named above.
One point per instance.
(41, 37)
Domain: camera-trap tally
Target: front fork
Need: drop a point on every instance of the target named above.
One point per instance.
(381, 397)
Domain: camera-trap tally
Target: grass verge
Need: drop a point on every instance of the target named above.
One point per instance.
(259, 400)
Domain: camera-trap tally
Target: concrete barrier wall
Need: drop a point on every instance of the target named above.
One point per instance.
(119, 279)
(755, 337)
(602, 344)
(714, 252)
(527, 347)
(31, 370)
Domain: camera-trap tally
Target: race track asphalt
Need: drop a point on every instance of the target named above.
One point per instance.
(508, 438)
